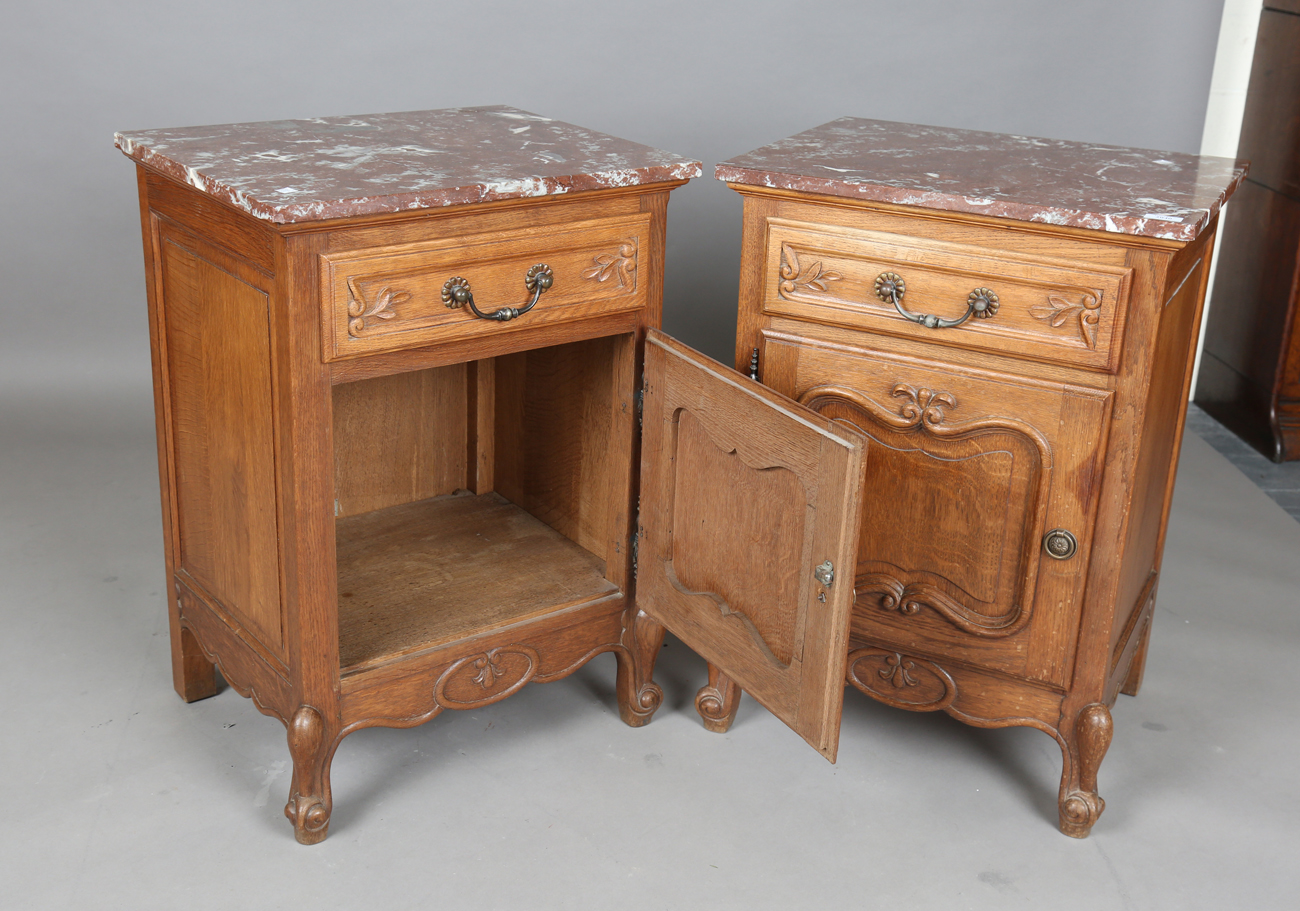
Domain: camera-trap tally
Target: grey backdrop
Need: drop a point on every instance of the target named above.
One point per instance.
(707, 79)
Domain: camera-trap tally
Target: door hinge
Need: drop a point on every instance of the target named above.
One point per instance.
(640, 406)
(753, 366)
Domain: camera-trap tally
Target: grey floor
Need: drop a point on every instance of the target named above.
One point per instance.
(117, 795)
(1281, 481)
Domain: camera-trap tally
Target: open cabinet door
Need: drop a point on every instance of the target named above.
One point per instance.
(746, 497)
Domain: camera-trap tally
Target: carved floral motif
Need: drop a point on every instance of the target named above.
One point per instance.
(1058, 311)
(923, 406)
(795, 278)
(487, 677)
(360, 310)
(620, 265)
(901, 680)
(898, 671)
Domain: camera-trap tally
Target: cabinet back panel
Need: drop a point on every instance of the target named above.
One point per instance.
(400, 438)
(221, 402)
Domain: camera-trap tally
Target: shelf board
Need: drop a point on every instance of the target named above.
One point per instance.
(423, 574)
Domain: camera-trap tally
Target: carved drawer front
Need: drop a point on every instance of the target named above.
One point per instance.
(1028, 306)
(971, 479)
(404, 296)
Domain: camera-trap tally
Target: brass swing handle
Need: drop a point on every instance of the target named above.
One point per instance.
(456, 293)
(980, 303)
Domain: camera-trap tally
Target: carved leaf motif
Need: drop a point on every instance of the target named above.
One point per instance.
(901, 680)
(923, 406)
(620, 265)
(381, 308)
(1058, 311)
(486, 677)
(811, 278)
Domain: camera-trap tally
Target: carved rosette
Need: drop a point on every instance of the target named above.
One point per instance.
(485, 678)
(360, 309)
(1059, 310)
(796, 278)
(901, 681)
(620, 265)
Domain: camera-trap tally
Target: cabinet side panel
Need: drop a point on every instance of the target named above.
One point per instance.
(219, 365)
(554, 414)
(1162, 424)
(399, 438)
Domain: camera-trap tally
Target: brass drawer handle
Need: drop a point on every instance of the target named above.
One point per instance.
(980, 303)
(456, 293)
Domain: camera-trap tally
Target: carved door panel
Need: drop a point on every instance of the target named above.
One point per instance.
(983, 491)
(748, 504)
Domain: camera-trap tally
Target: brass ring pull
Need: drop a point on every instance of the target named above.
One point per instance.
(980, 303)
(456, 293)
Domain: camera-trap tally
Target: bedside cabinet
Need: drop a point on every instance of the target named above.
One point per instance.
(1010, 322)
(398, 365)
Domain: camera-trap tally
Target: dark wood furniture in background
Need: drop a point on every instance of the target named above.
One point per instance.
(1020, 463)
(1250, 370)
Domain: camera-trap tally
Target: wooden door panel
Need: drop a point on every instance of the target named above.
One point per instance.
(744, 494)
(966, 474)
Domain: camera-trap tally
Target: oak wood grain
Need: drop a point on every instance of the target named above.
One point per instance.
(422, 574)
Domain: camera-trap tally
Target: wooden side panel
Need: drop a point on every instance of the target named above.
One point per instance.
(555, 414)
(399, 438)
(743, 496)
(219, 360)
(1162, 431)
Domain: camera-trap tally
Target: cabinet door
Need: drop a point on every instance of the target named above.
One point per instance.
(973, 475)
(748, 502)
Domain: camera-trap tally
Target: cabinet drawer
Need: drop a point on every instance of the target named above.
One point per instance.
(1053, 310)
(389, 298)
(967, 473)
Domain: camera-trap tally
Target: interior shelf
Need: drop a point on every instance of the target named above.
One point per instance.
(423, 574)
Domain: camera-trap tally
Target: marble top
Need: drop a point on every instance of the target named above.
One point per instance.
(288, 171)
(1167, 195)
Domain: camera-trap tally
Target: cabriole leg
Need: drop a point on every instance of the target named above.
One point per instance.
(717, 703)
(311, 744)
(638, 695)
(1085, 746)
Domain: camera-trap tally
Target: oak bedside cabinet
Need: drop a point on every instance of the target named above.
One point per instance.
(398, 366)
(1011, 323)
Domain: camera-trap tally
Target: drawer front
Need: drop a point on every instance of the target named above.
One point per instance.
(967, 473)
(391, 298)
(1047, 309)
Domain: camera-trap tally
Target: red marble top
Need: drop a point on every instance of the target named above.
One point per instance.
(289, 171)
(1107, 188)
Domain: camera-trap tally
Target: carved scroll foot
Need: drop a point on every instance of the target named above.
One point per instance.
(193, 675)
(638, 695)
(1080, 804)
(1133, 681)
(717, 702)
(312, 747)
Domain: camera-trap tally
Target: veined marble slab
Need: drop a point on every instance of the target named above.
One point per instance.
(1168, 195)
(288, 171)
